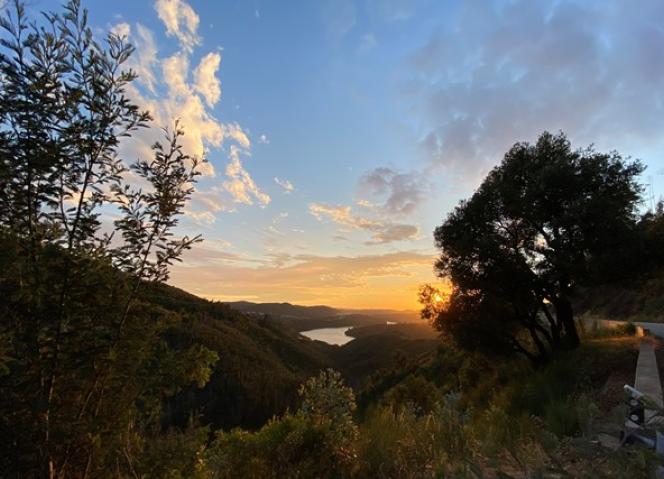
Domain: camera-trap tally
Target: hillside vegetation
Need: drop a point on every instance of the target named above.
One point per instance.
(108, 372)
(303, 318)
(635, 299)
(262, 362)
(630, 284)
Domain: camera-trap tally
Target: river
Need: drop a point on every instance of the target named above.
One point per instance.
(336, 336)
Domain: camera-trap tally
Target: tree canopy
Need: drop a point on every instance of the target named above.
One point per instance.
(516, 249)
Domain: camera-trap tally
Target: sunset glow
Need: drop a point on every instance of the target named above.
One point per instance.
(340, 133)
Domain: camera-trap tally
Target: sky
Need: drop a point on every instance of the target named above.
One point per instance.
(340, 133)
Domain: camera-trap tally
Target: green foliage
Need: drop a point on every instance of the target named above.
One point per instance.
(401, 442)
(85, 365)
(636, 298)
(629, 329)
(518, 420)
(173, 454)
(316, 441)
(260, 365)
(416, 393)
(327, 403)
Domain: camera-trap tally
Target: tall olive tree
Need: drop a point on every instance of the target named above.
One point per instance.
(84, 360)
(517, 248)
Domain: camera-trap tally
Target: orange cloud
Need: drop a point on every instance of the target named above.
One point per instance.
(370, 281)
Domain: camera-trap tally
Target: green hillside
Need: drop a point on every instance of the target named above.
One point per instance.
(260, 363)
(633, 299)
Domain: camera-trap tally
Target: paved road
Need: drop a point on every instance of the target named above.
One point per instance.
(647, 375)
(656, 329)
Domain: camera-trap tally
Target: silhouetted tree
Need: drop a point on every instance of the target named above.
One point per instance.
(517, 248)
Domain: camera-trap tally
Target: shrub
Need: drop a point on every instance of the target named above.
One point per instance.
(402, 442)
(414, 392)
(316, 441)
(629, 329)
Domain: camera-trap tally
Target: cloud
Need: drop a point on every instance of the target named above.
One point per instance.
(341, 215)
(402, 193)
(144, 59)
(240, 185)
(501, 73)
(263, 139)
(366, 204)
(201, 217)
(235, 131)
(180, 20)
(285, 184)
(202, 129)
(212, 253)
(206, 203)
(175, 70)
(390, 280)
(185, 93)
(205, 78)
(395, 232)
(382, 231)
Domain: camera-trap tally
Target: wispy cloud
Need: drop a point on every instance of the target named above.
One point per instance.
(588, 68)
(240, 185)
(383, 231)
(144, 60)
(205, 78)
(400, 193)
(285, 184)
(206, 203)
(180, 20)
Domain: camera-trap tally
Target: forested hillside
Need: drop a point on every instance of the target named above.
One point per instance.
(260, 365)
(262, 362)
(630, 284)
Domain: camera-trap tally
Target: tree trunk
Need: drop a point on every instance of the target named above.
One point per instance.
(554, 327)
(543, 355)
(565, 316)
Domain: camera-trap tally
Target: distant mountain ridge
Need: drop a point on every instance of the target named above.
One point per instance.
(319, 311)
(284, 310)
(303, 318)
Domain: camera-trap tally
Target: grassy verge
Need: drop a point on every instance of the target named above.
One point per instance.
(514, 421)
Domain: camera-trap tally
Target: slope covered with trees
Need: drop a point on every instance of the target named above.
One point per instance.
(259, 368)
